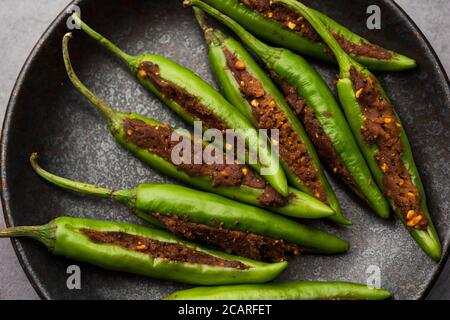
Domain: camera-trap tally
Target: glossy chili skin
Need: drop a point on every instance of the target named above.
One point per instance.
(64, 237)
(427, 239)
(197, 88)
(284, 291)
(300, 205)
(318, 96)
(273, 32)
(204, 208)
(218, 42)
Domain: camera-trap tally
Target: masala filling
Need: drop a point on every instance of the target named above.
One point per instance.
(269, 115)
(159, 250)
(244, 244)
(320, 139)
(189, 103)
(290, 19)
(382, 128)
(157, 140)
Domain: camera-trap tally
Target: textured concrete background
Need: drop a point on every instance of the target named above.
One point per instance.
(23, 21)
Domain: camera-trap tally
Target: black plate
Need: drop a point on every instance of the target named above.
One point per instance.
(46, 114)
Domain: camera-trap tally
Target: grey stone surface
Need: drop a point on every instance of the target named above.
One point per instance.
(432, 18)
(23, 21)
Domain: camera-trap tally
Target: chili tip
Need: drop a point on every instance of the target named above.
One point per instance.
(33, 158)
(187, 3)
(68, 35)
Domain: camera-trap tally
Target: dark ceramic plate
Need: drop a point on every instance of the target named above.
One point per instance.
(46, 114)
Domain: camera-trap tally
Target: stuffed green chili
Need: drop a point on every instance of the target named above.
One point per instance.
(382, 139)
(151, 142)
(313, 102)
(248, 88)
(287, 28)
(193, 99)
(205, 217)
(284, 291)
(144, 251)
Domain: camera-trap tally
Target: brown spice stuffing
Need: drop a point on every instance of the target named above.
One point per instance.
(239, 243)
(269, 115)
(382, 128)
(288, 18)
(321, 141)
(157, 139)
(159, 250)
(363, 48)
(291, 20)
(189, 103)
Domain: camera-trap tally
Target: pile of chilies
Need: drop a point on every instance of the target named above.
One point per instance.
(240, 211)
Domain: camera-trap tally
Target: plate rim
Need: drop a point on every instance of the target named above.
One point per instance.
(35, 283)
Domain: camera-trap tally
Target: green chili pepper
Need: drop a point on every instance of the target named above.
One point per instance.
(215, 109)
(317, 95)
(284, 291)
(427, 238)
(149, 201)
(140, 250)
(281, 34)
(298, 204)
(219, 44)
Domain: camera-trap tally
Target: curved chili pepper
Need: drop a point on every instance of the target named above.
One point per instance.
(260, 101)
(381, 155)
(334, 139)
(124, 127)
(144, 251)
(284, 291)
(298, 35)
(195, 100)
(153, 202)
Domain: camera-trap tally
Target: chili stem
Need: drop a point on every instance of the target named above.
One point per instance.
(201, 19)
(19, 232)
(342, 57)
(257, 46)
(84, 188)
(128, 59)
(44, 234)
(102, 106)
(212, 36)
